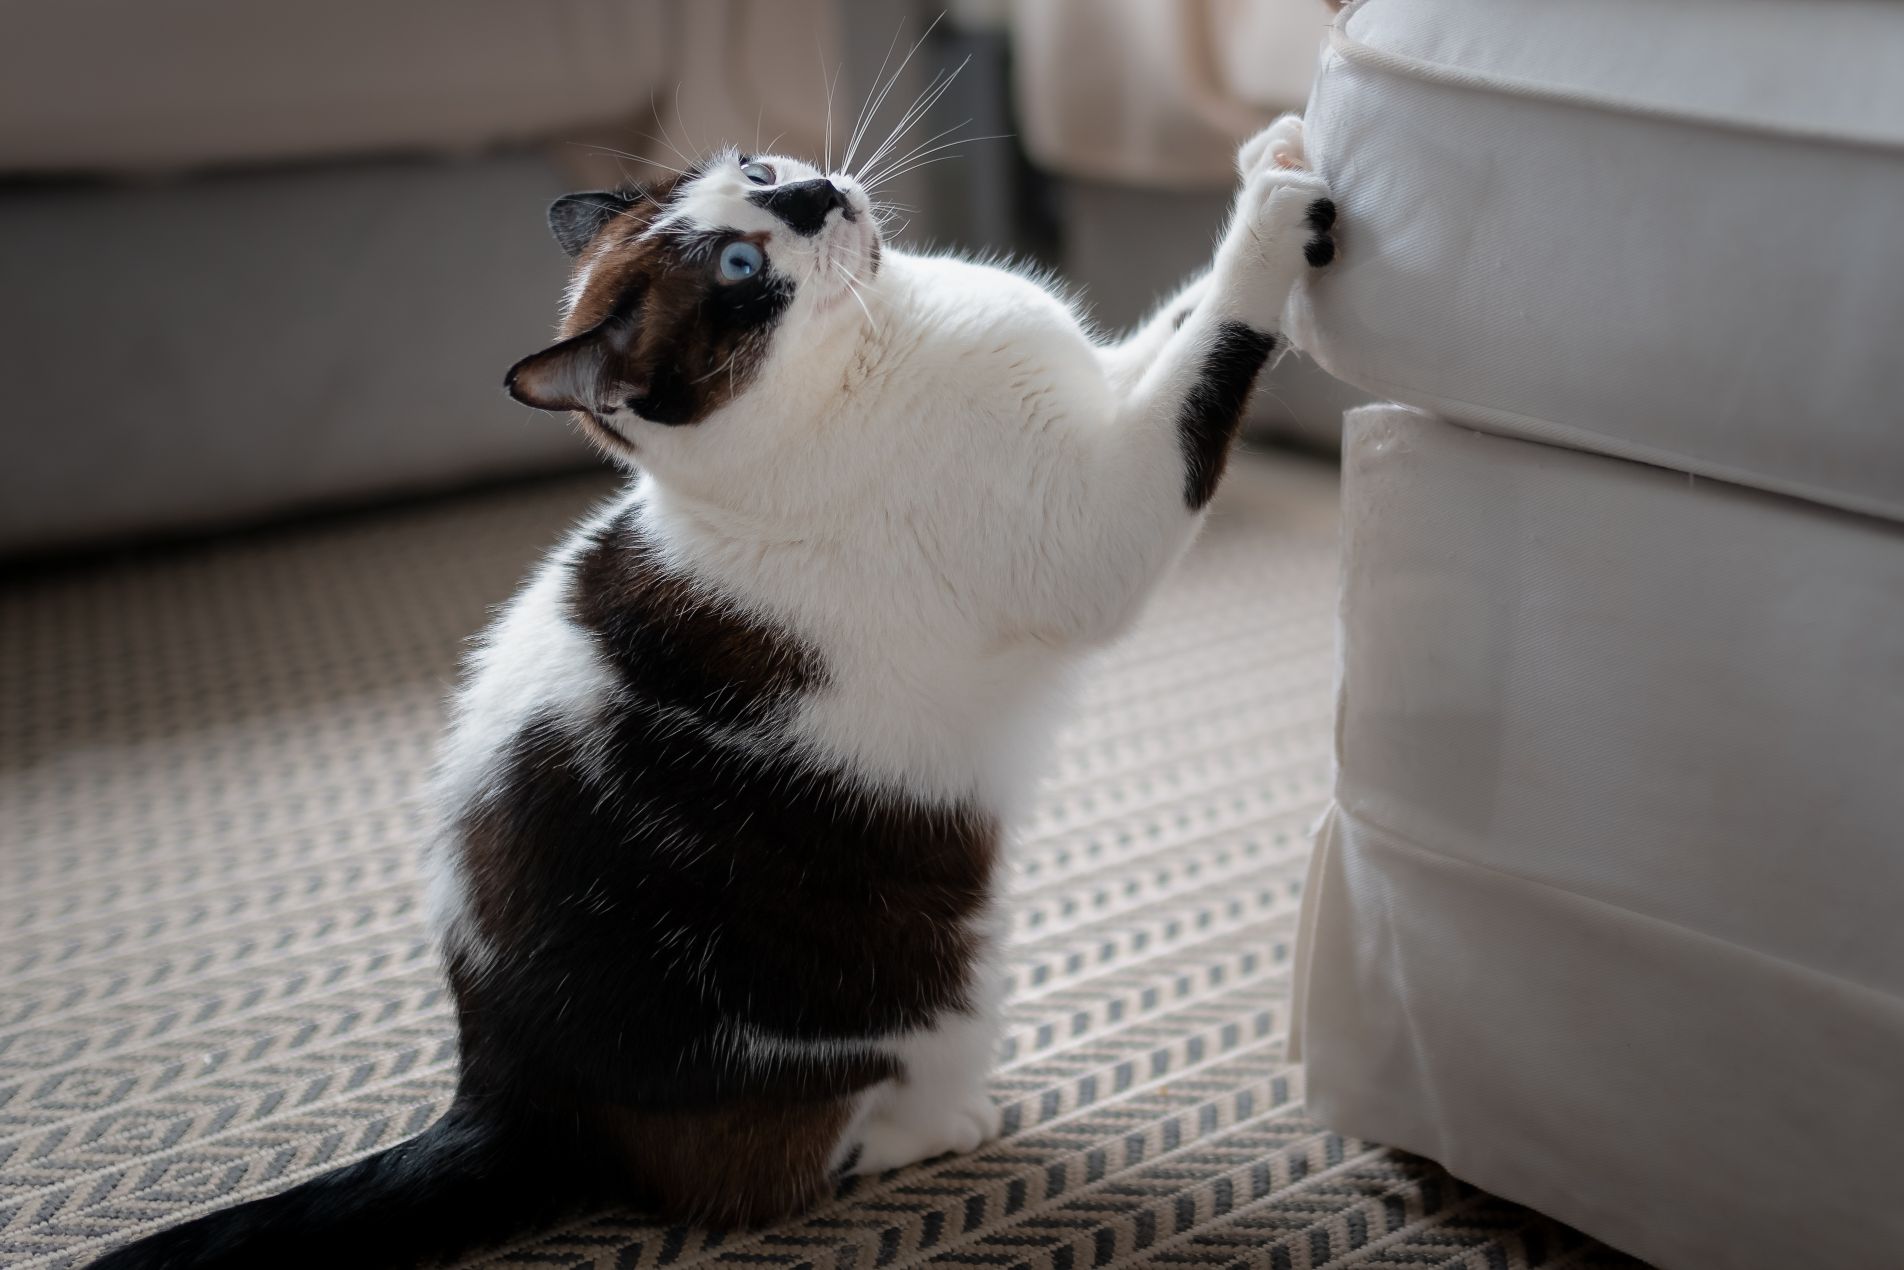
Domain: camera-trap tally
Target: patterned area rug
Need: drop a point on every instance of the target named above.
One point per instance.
(214, 979)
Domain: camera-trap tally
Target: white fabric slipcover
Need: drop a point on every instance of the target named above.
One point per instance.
(1670, 232)
(1605, 918)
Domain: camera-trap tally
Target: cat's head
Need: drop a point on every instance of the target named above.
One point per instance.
(684, 290)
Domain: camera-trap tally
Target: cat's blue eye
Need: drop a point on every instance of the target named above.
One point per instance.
(758, 173)
(740, 260)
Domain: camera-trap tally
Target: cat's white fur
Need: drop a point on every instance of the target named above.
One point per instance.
(952, 491)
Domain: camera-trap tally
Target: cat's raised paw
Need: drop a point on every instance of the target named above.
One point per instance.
(1288, 210)
(1274, 165)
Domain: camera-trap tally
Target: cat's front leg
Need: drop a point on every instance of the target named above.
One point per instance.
(1177, 389)
(1126, 361)
(1279, 229)
(1252, 295)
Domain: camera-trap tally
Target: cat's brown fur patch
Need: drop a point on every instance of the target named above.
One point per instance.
(678, 641)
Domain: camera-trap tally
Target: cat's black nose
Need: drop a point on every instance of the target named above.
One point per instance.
(803, 205)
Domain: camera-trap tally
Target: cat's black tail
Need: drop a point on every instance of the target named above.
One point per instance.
(464, 1182)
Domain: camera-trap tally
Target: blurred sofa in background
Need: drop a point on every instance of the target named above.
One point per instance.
(262, 257)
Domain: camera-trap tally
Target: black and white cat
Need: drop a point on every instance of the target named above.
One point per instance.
(726, 791)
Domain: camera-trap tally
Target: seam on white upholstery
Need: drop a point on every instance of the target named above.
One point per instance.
(1513, 426)
(1382, 836)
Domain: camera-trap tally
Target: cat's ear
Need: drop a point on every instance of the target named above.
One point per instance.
(574, 374)
(575, 219)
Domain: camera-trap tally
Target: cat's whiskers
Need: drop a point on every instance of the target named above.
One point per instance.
(870, 111)
(870, 105)
(667, 137)
(882, 212)
(831, 84)
(944, 158)
(920, 155)
(935, 86)
(911, 115)
(700, 152)
(939, 85)
(635, 158)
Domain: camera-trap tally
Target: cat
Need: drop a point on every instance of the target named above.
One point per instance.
(726, 789)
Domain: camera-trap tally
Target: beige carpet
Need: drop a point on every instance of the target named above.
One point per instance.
(214, 979)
